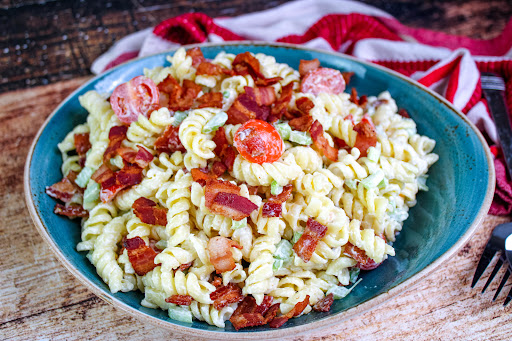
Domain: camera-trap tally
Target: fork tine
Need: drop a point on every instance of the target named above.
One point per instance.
(509, 297)
(485, 259)
(503, 281)
(494, 272)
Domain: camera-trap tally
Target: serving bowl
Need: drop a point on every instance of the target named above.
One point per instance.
(461, 188)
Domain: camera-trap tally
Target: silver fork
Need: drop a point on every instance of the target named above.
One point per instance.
(500, 241)
(501, 238)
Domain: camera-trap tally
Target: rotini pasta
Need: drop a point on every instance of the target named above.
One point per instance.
(255, 200)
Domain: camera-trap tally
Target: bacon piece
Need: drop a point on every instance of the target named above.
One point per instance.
(308, 65)
(296, 310)
(71, 211)
(247, 306)
(282, 103)
(216, 282)
(265, 305)
(363, 261)
(82, 143)
(171, 87)
(141, 158)
(225, 295)
(148, 212)
(218, 168)
(363, 100)
(304, 105)
(185, 266)
(245, 63)
(169, 142)
(210, 69)
(307, 243)
(302, 123)
(271, 209)
(247, 320)
(324, 304)
(234, 206)
(210, 100)
(63, 190)
(226, 152)
(261, 95)
(129, 175)
(116, 136)
(191, 89)
(221, 257)
(179, 299)
(141, 256)
(104, 175)
(200, 175)
(347, 76)
(197, 56)
(366, 135)
(340, 143)
(267, 81)
(319, 140)
(252, 189)
(245, 108)
(402, 112)
(213, 187)
(353, 96)
(285, 194)
(272, 312)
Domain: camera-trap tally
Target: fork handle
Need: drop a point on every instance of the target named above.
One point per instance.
(501, 116)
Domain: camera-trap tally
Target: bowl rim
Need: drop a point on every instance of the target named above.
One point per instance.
(276, 333)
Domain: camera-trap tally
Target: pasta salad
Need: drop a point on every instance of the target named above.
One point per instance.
(239, 188)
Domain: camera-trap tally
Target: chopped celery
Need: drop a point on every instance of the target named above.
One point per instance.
(283, 250)
(422, 183)
(91, 194)
(351, 183)
(296, 237)
(340, 292)
(383, 183)
(354, 273)
(215, 122)
(161, 244)
(238, 224)
(275, 189)
(278, 264)
(225, 94)
(284, 130)
(180, 314)
(179, 116)
(301, 137)
(83, 177)
(373, 180)
(373, 154)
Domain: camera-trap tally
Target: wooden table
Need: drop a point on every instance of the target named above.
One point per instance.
(41, 300)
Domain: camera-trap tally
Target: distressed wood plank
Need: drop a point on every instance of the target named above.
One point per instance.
(47, 41)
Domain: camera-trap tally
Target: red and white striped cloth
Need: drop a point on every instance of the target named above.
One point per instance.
(448, 64)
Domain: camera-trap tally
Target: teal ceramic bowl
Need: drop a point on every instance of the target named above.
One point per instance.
(461, 187)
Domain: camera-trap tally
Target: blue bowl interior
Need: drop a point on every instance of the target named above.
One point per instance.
(457, 182)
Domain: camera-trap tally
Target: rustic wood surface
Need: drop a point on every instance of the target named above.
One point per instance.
(42, 300)
(45, 41)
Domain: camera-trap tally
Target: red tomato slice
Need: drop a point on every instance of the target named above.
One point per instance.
(258, 142)
(323, 80)
(139, 96)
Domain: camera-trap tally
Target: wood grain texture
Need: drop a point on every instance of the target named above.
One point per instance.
(42, 42)
(41, 300)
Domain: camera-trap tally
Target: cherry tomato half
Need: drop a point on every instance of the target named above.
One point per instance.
(258, 142)
(323, 80)
(139, 96)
